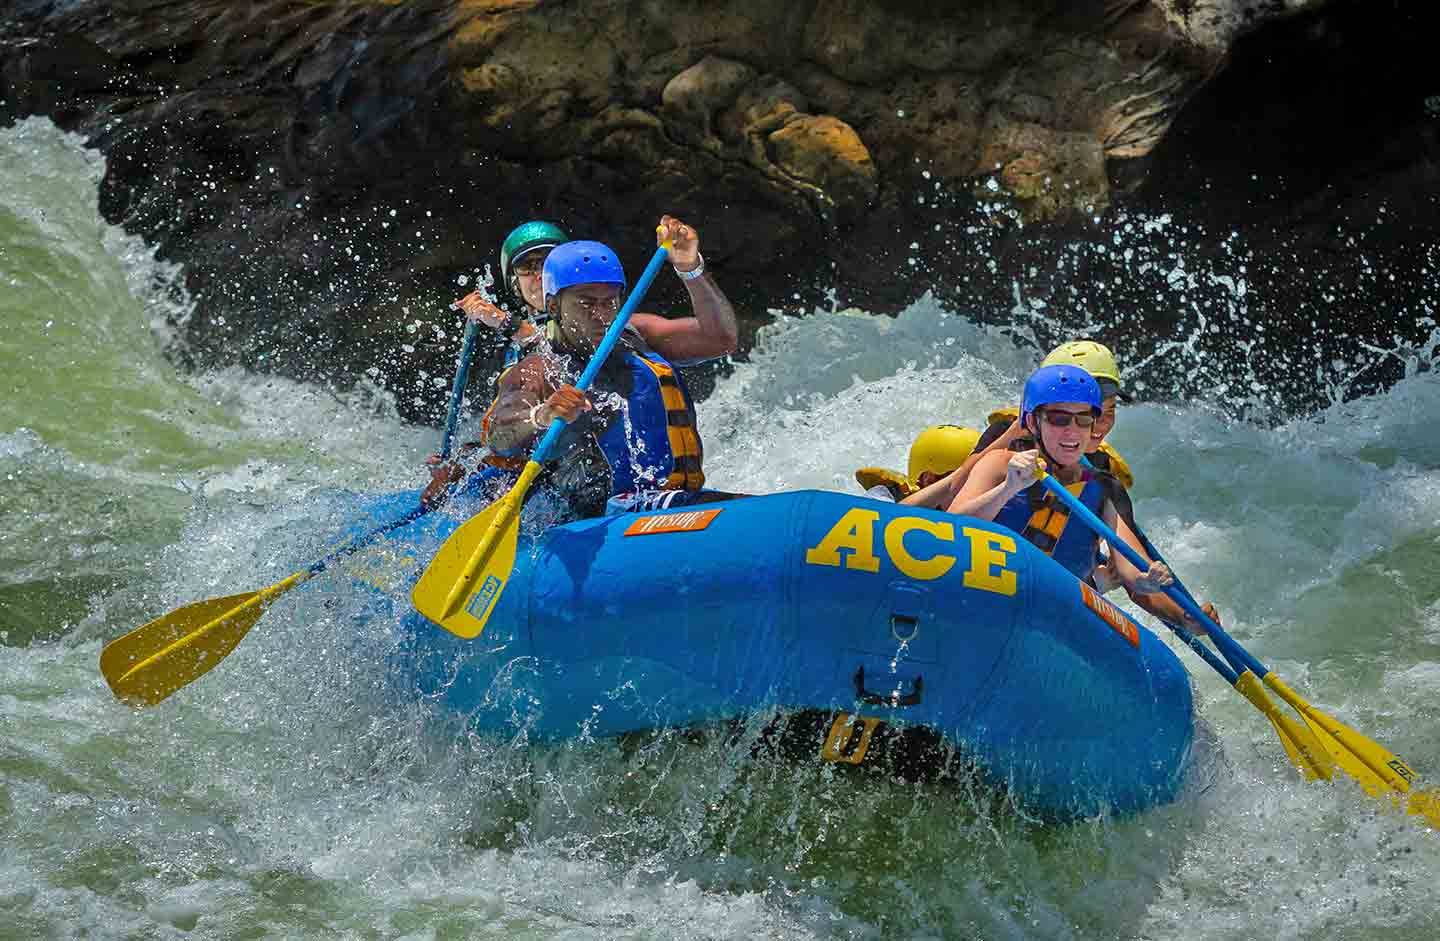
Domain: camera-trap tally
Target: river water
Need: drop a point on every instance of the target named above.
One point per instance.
(287, 795)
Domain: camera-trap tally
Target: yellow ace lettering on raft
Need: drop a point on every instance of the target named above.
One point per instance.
(850, 544)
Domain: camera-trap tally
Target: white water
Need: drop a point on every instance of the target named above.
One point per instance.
(285, 796)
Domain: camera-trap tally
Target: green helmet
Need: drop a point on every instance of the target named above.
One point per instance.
(526, 238)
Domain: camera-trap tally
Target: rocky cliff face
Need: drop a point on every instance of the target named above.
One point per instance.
(330, 170)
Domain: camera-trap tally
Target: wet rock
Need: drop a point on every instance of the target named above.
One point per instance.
(826, 153)
(329, 171)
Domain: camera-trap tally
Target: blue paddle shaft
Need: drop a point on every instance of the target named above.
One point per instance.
(1228, 646)
(602, 352)
(447, 438)
(1206, 654)
(457, 390)
(365, 540)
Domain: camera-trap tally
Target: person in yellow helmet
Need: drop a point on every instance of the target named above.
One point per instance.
(934, 453)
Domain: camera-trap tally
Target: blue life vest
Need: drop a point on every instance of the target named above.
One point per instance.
(1048, 528)
(653, 444)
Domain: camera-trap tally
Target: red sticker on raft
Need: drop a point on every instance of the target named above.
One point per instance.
(1111, 615)
(687, 522)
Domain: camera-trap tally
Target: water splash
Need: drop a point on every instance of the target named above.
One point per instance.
(291, 790)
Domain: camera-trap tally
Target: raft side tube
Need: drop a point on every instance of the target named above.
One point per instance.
(814, 600)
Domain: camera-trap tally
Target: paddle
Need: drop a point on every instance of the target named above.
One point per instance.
(154, 660)
(1301, 746)
(1379, 771)
(482, 552)
(457, 389)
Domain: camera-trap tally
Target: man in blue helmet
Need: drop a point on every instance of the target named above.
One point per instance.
(1059, 407)
(633, 441)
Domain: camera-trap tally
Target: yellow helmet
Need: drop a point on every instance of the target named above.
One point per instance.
(1094, 358)
(940, 449)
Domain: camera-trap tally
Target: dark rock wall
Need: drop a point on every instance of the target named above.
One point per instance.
(329, 172)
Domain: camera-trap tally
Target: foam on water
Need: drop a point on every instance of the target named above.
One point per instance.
(289, 793)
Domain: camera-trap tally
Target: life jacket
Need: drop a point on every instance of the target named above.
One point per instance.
(1043, 520)
(653, 444)
(1106, 459)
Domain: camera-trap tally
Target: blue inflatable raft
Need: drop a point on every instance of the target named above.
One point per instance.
(861, 609)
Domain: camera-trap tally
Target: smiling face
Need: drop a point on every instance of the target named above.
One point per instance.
(1067, 443)
(585, 312)
(1103, 424)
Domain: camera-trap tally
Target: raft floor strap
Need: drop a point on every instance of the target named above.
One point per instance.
(893, 700)
(849, 738)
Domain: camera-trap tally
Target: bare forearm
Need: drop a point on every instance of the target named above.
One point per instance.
(510, 425)
(935, 496)
(1159, 605)
(714, 313)
(986, 505)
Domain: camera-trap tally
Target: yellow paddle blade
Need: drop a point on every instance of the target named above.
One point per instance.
(460, 587)
(1377, 769)
(868, 477)
(148, 664)
(1301, 745)
(1380, 771)
(1426, 804)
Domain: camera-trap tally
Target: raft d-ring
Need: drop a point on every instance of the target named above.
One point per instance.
(903, 627)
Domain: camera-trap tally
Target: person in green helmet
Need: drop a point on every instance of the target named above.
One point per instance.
(522, 257)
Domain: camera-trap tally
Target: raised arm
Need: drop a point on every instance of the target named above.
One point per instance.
(711, 331)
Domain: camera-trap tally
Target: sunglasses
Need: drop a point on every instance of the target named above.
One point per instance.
(1063, 419)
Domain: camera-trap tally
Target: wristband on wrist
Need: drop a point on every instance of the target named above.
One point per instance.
(693, 273)
(534, 422)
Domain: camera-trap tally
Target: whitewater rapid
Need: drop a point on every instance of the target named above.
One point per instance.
(288, 795)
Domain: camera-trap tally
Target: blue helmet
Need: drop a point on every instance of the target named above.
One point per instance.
(1050, 384)
(580, 263)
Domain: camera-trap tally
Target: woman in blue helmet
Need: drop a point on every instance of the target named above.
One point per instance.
(632, 439)
(1059, 406)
